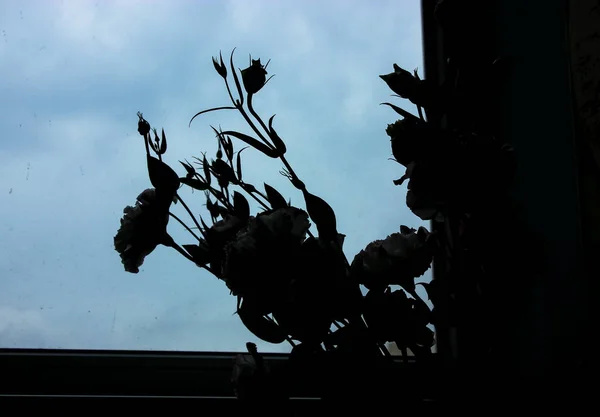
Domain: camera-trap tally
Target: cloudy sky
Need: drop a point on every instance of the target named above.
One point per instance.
(73, 75)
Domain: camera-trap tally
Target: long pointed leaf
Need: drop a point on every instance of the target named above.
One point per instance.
(277, 141)
(236, 79)
(199, 253)
(195, 184)
(259, 325)
(162, 175)
(220, 137)
(203, 224)
(229, 149)
(276, 200)
(190, 169)
(241, 207)
(222, 64)
(323, 216)
(255, 143)
(401, 112)
(206, 168)
(239, 163)
(163, 144)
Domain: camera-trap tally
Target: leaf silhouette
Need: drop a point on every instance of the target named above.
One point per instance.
(163, 143)
(236, 80)
(195, 184)
(401, 112)
(255, 143)
(259, 325)
(204, 225)
(240, 206)
(277, 141)
(206, 168)
(239, 163)
(220, 66)
(189, 168)
(323, 216)
(162, 175)
(200, 253)
(276, 200)
(228, 148)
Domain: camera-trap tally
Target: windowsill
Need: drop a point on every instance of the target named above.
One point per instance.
(148, 374)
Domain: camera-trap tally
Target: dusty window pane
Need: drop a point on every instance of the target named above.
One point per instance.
(74, 74)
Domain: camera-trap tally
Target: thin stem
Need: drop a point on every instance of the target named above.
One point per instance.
(404, 352)
(255, 198)
(362, 323)
(179, 249)
(290, 341)
(239, 105)
(253, 126)
(214, 192)
(185, 225)
(262, 195)
(230, 94)
(146, 139)
(420, 110)
(384, 349)
(289, 167)
(287, 338)
(226, 193)
(189, 212)
(186, 255)
(221, 198)
(256, 116)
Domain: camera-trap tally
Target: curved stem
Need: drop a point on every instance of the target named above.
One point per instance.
(381, 346)
(266, 129)
(179, 249)
(189, 212)
(262, 195)
(251, 194)
(215, 192)
(185, 225)
(221, 197)
(290, 341)
(256, 116)
(289, 168)
(287, 338)
(186, 255)
(230, 94)
(254, 128)
(239, 105)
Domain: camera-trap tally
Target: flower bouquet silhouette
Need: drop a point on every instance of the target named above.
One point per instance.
(291, 285)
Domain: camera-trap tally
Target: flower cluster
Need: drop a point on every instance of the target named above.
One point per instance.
(292, 284)
(143, 228)
(447, 170)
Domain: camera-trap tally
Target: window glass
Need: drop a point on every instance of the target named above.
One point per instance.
(73, 75)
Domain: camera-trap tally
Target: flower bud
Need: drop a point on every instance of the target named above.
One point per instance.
(254, 77)
(220, 66)
(402, 82)
(143, 125)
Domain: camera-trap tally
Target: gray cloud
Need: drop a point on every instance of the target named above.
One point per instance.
(74, 74)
